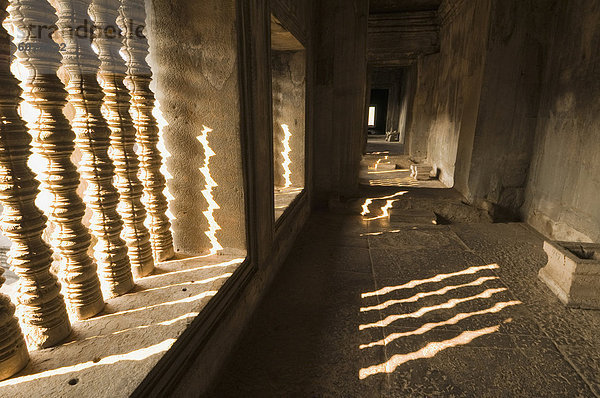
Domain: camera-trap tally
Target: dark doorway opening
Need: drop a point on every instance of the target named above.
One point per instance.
(379, 101)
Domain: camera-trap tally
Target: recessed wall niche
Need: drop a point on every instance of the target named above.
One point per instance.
(288, 72)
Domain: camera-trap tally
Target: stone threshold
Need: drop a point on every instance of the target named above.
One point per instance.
(111, 354)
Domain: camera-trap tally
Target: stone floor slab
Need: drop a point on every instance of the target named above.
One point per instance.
(335, 322)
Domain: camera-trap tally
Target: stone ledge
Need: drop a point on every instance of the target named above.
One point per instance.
(111, 354)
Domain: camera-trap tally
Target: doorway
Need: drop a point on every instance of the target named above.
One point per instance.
(378, 109)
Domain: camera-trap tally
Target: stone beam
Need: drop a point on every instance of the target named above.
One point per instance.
(400, 38)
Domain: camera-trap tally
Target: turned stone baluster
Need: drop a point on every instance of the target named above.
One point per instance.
(139, 76)
(116, 99)
(54, 142)
(93, 139)
(13, 351)
(41, 308)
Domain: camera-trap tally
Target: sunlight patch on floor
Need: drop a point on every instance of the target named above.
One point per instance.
(429, 351)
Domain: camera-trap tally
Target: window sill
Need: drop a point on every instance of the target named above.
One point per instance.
(284, 197)
(111, 354)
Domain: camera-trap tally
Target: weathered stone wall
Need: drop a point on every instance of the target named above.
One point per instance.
(449, 85)
(288, 70)
(268, 246)
(508, 111)
(562, 199)
(492, 166)
(475, 111)
(194, 56)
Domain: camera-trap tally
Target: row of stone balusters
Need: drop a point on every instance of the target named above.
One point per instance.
(125, 247)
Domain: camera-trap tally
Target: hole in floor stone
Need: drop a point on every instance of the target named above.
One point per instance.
(184, 290)
(72, 382)
(441, 220)
(96, 360)
(585, 254)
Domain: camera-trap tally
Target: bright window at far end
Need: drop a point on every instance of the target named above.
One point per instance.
(371, 116)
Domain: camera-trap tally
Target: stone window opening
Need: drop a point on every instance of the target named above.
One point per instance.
(288, 75)
(123, 243)
(372, 114)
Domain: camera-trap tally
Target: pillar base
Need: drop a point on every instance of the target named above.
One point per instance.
(573, 273)
(142, 270)
(164, 255)
(115, 290)
(15, 362)
(39, 337)
(88, 311)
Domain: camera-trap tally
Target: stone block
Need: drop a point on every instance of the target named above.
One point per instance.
(573, 273)
(420, 171)
(392, 136)
(385, 165)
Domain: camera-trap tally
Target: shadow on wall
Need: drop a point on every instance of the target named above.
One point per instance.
(196, 78)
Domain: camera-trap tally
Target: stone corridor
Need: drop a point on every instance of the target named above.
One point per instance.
(299, 198)
(367, 308)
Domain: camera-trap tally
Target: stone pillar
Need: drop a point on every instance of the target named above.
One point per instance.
(112, 74)
(54, 143)
(139, 76)
(93, 138)
(41, 308)
(340, 39)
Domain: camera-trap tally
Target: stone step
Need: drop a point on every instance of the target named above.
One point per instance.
(385, 166)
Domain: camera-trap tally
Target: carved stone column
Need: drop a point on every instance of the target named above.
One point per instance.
(112, 74)
(139, 76)
(40, 306)
(93, 139)
(13, 351)
(54, 142)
